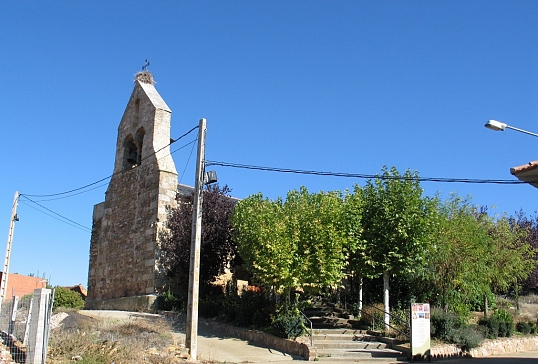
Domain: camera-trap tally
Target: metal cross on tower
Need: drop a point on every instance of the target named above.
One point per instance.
(145, 66)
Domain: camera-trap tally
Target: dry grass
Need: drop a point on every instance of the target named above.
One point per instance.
(93, 341)
(528, 307)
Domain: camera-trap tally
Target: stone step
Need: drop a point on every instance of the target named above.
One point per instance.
(349, 345)
(344, 331)
(347, 337)
(330, 324)
(359, 354)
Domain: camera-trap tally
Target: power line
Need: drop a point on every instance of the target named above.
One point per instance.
(364, 176)
(103, 179)
(65, 219)
(188, 160)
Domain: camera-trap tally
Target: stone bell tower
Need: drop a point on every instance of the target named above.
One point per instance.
(124, 272)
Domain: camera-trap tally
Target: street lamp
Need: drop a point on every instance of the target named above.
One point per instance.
(527, 173)
(498, 126)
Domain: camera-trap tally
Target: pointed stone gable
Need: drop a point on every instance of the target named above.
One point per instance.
(124, 272)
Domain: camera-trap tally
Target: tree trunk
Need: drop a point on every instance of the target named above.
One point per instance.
(386, 278)
(486, 305)
(359, 279)
(516, 297)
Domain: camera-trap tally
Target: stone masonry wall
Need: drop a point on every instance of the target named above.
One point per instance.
(125, 235)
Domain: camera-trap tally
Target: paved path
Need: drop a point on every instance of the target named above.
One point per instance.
(526, 357)
(214, 346)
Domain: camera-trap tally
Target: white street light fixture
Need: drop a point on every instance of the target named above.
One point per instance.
(498, 126)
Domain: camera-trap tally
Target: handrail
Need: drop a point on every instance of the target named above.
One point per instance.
(406, 334)
(311, 330)
(402, 321)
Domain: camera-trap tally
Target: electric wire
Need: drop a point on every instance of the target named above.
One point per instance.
(65, 219)
(106, 178)
(364, 176)
(188, 161)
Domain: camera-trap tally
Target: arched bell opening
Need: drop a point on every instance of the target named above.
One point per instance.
(131, 156)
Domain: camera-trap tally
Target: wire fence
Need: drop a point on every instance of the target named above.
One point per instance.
(24, 327)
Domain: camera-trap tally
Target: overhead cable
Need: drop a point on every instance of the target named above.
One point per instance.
(104, 179)
(364, 176)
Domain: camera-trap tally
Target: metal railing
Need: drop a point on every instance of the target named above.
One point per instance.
(404, 323)
(311, 334)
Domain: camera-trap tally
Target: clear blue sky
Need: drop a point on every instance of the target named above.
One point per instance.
(341, 86)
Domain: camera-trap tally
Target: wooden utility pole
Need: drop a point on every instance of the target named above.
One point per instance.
(191, 341)
(3, 282)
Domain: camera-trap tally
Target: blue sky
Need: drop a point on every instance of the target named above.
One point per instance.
(340, 86)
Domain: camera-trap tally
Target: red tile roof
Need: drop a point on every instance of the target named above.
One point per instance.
(527, 173)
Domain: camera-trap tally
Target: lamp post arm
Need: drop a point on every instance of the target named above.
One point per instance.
(521, 130)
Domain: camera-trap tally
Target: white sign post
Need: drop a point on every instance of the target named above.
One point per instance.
(420, 330)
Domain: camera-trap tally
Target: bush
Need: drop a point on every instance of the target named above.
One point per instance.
(467, 338)
(66, 298)
(288, 322)
(506, 323)
(166, 301)
(451, 328)
(489, 327)
(444, 324)
(210, 307)
(250, 309)
(523, 327)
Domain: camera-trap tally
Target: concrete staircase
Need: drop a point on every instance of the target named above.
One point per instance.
(338, 336)
(354, 345)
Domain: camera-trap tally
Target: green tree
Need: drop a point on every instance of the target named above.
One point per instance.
(305, 241)
(459, 259)
(397, 224)
(66, 298)
(264, 243)
(476, 254)
(513, 256)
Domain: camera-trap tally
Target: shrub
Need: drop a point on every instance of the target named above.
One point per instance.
(467, 338)
(253, 309)
(533, 327)
(210, 307)
(523, 327)
(443, 325)
(489, 327)
(66, 298)
(451, 328)
(506, 323)
(166, 301)
(288, 322)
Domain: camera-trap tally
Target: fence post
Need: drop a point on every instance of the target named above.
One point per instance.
(13, 318)
(28, 320)
(38, 329)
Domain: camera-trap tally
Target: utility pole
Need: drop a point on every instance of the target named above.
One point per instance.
(3, 282)
(191, 341)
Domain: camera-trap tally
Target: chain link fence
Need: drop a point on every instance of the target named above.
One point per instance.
(24, 327)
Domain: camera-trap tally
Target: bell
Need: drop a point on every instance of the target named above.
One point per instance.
(132, 157)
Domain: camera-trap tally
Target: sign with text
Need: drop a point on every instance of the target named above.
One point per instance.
(420, 329)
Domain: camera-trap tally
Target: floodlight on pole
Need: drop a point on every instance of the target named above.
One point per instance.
(499, 126)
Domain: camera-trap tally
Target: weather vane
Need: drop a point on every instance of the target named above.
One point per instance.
(145, 66)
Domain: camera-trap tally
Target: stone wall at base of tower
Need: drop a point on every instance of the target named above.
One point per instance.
(135, 303)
